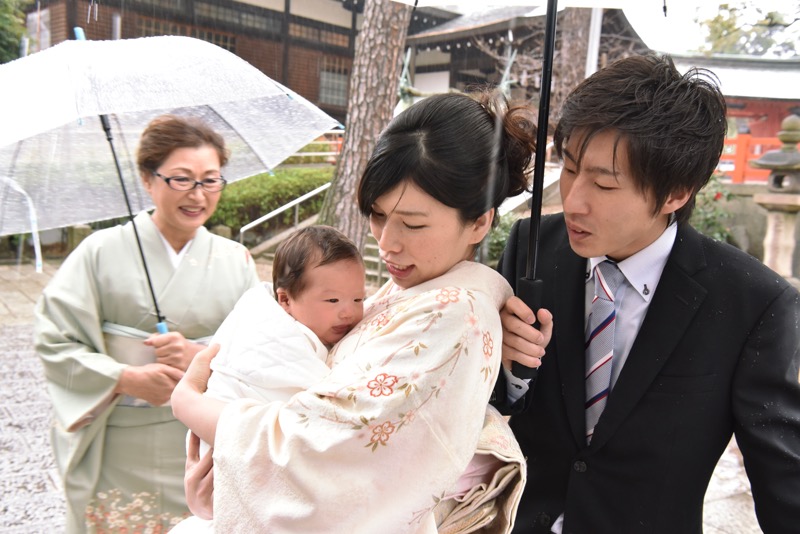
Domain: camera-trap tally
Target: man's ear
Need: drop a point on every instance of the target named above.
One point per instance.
(675, 201)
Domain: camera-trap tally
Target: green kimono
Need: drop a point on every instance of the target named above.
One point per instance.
(121, 459)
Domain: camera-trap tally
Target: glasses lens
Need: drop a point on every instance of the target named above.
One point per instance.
(213, 185)
(180, 183)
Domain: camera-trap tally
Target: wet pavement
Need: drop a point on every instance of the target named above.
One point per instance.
(30, 496)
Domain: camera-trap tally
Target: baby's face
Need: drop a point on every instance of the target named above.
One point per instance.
(333, 300)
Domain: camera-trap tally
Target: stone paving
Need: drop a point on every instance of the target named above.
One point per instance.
(30, 496)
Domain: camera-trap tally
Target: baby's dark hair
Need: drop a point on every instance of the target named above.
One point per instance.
(312, 246)
(468, 151)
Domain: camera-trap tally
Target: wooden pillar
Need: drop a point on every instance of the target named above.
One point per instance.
(740, 161)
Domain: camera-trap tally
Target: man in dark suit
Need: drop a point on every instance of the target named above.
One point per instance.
(704, 342)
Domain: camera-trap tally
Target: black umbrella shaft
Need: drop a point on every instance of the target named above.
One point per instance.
(107, 128)
(541, 137)
(529, 288)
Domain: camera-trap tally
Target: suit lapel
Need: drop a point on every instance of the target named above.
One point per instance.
(672, 310)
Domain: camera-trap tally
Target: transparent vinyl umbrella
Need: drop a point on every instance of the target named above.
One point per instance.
(56, 167)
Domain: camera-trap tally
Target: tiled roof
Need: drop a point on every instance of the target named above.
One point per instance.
(749, 77)
(483, 21)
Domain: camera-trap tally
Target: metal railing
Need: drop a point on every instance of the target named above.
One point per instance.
(334, 139)
(293, 204)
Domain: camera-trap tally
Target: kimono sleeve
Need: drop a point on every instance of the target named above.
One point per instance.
(69, 340)
(379, 441)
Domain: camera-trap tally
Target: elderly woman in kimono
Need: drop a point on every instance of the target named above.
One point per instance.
(387, 441)
(118, 448)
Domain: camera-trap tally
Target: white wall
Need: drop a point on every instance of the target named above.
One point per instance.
(432, 82)
(431, 57)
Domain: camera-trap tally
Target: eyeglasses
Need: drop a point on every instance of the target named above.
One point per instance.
(182, 183)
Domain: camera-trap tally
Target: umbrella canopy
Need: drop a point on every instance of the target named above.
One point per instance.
(56, 168)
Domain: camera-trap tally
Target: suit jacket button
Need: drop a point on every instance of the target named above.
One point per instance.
(544, 519)
(579, 466)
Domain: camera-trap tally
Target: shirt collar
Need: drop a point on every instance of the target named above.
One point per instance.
(643, 269)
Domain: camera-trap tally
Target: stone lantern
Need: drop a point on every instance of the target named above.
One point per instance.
(782, 200)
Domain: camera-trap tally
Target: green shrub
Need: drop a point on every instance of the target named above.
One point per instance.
(498, 237)
(709, 214)
(246, 200)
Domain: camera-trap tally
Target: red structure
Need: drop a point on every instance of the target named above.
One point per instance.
(759, 122)
(760, 93)
(762, 116)
(739, 151)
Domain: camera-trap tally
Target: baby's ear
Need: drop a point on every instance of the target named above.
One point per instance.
(283, 298)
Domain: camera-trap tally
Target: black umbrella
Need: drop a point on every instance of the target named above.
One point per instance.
(529, 287)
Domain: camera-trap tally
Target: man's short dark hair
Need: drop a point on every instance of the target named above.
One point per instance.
(673, 125)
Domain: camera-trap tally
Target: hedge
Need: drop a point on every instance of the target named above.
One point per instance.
(247, 200)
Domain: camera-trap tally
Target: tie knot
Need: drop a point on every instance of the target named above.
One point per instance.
(608, 278)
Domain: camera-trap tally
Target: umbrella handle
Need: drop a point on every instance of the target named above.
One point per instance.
(530, 291)
(162, 327)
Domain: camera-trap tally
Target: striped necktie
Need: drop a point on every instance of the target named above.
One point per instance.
(600, 342)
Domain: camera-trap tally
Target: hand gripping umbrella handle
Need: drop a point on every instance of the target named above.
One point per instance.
(530, 291)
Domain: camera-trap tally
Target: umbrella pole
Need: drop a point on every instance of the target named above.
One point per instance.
(541, 146)
(161, 325)
(529, 288)
(541, 137)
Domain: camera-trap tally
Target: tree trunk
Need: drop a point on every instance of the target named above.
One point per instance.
(373, 95)
(569, 67)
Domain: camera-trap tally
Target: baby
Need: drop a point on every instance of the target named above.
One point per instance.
(275, 342)
(272, 348)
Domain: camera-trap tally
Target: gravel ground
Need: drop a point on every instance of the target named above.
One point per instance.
(30, 496)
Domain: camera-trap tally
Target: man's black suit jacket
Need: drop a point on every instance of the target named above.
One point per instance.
(717, 353)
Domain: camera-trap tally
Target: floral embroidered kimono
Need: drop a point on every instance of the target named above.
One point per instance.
(122, 460)
(383, 439)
